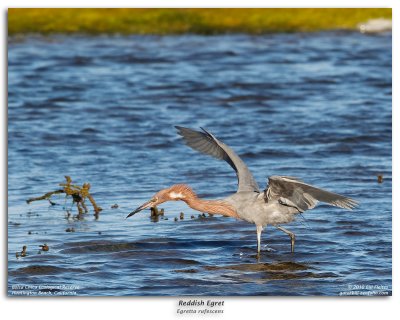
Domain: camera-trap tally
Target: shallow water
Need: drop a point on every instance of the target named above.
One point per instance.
(102, 110)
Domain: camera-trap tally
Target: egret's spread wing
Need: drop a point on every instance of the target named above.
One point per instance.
(293, 192)
(205, 142)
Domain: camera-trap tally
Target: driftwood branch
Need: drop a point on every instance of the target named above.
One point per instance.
(78, 194)
(46, 196)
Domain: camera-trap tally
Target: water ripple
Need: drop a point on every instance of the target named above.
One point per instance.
(102, 109)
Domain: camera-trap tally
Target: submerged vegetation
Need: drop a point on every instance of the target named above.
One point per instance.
(180, 21)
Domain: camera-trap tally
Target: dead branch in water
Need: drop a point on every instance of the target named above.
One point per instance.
(46, 196)
(78, 194)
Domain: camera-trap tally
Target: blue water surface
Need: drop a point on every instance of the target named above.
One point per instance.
(103, 109)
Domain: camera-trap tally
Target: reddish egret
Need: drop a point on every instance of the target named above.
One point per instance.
(278, 204)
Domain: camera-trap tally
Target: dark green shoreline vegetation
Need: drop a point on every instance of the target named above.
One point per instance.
(181, 21)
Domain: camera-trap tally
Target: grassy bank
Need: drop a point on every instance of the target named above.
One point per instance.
(178, 21)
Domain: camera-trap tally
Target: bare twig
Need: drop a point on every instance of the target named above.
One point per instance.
(78, 194)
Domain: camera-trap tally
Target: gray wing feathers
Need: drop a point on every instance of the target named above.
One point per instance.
(206, 143)
(293, 192)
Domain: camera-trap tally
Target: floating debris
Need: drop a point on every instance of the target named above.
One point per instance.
(114, 206)
(29, 232)
(70, 230)
(181, 216)
(380, 178)
(154, 212)
(161, 212)
(44, 247)
(175, 219)
(78, 194)
(23, 252)
(192, 217)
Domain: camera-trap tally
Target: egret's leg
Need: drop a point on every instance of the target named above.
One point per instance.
(291, 235)
(259, 230)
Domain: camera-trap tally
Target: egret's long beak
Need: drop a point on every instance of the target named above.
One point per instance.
(143, 206)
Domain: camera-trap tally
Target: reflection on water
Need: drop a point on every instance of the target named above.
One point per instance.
(102, 110)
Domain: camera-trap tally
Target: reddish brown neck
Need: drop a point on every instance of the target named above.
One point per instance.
(185, 193)
(209, 206)
(212, 206)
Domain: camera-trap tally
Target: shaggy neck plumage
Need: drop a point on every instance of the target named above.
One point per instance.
(209, 206)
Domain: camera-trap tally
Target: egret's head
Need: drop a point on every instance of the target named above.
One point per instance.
(176, 192)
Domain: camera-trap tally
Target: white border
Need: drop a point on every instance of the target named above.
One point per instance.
(164, 308)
